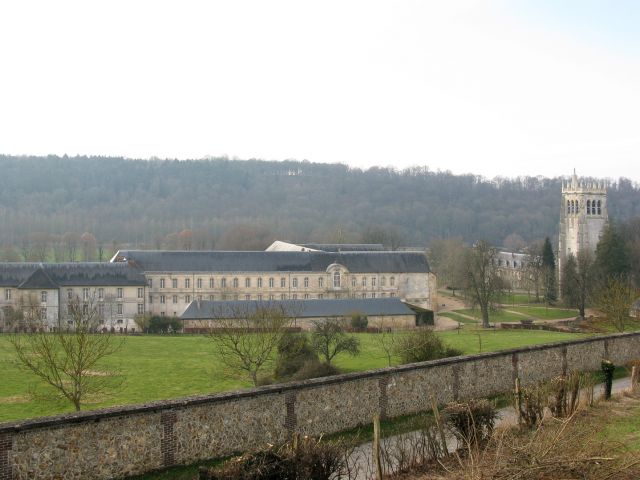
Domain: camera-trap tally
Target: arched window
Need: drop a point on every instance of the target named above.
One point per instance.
(599, 207)
(336, 279)
(568, 207)
(588, 207)
(392, 281)
(235, 283)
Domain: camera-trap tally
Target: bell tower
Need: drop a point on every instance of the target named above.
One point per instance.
(583, 215)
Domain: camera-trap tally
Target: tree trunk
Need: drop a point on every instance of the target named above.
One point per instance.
(485, 316)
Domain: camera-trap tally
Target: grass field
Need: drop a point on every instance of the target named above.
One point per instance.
(458, 318)
(494, 316)
(545, 313)
(161, 367)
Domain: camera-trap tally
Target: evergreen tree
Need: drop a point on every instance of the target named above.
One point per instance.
(612, 258)
(549, 269)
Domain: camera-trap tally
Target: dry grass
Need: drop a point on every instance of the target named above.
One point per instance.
(566, 449)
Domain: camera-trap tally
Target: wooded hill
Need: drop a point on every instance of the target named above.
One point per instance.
(243, 204)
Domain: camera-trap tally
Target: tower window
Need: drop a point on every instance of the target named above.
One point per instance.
(588, 207)
(599, 207)
(568, 207)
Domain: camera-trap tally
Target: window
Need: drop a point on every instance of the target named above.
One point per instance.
(150, 298)
(392, 294)
(199, 297)
(43, 313)
(235, 283)
(174, 283)
(260, 296)
(235, 296)
(294, 282)
(373, 281)
(568, 206)
(175, 299)
(271, 282)
(120, 321)
(140, 292)
(150, 283)
(199, 283)
(85, 294)
(223, 283)
(162, 298)
(354, 281)
(382, 295)
(306, 282)
(271, 297)
(294, 296)
(85, 309)
(101, 310)
(364, 281)
(599, 207)
(7, 294)
(187, 283)
(140, 308)
(283, 282)
(383, 281)
(43, 297)
(119, 294)
(162, 283)
(162, 314)
(373, 294)
(247, 297)
(336, 279)
(588, 207)
(187, 299)
(69, 294)
(283, 296)
(119, 309)
(306, 296)
(392, 281)
(321, 282)
(364, 295)
(247, 282)
(259, 282)
(320, 296)
(211, 283)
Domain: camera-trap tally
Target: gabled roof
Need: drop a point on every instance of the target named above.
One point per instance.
(201, 310)
(37, 275)
(40, 280)
(273, 261)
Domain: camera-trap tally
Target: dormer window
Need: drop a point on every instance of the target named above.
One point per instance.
(336, 279)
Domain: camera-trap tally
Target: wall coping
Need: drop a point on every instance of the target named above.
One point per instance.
(182, 402)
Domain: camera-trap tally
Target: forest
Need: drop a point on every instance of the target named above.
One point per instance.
(50, 205)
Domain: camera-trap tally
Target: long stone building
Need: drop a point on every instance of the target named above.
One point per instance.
(42, 292)
(176, 278)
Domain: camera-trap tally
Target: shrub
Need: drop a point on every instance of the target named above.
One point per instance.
(315, 369)
(294, 352)
(359, 322)
(300, 459)
(159, 324)
(423, 345)
(472, 423)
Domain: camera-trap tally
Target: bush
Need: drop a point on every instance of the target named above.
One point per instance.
(159, 324)
(315, 369)
(472, 423)
(294, 352)
(359, 322)
(423, 345)
(300, 459)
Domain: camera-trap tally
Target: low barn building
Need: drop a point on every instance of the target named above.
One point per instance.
(380, 312)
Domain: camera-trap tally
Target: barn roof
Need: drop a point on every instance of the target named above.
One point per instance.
(201, 310)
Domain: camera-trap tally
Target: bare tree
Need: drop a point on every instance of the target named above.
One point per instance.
(246, 337)
(577, 280)
(88, 243)
(70, 359)
(386, 338)
(483, 284)
(615, 301)
(328, 339)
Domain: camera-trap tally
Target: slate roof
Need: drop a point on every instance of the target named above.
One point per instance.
(274, 261)
(345, 247)
(53, 275)
(201, 310)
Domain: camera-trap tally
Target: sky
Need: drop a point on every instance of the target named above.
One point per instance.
(495, 88)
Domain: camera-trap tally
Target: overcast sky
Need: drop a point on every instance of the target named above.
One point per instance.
(489, 87)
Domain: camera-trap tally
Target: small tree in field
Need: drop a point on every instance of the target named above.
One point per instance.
(69, 359)
(329, 339)
(245, 338)
(483, 284)
(615, 301)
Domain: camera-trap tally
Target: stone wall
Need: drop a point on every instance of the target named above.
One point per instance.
(116, 442)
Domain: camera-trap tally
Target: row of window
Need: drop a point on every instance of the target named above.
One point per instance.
(235, 282)
(86, 294)
(594, 207)
(259, 297)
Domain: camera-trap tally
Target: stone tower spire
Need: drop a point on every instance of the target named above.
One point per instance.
(583, 215)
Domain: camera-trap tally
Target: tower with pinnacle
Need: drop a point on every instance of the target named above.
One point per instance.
(583, 215)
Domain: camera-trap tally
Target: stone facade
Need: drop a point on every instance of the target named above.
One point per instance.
(116, 442)
(583, 215)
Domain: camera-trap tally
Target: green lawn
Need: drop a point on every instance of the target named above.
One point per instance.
(545, 313)
(160, 367)
(458, 318)
(494, 316)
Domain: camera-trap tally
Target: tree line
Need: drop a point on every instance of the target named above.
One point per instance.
(47, 204)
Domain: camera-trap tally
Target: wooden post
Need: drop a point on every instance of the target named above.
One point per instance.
(635, 373)
(439, 426)
(376, 446)
(518, 400)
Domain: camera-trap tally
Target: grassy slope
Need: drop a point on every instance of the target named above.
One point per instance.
(157, 367)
